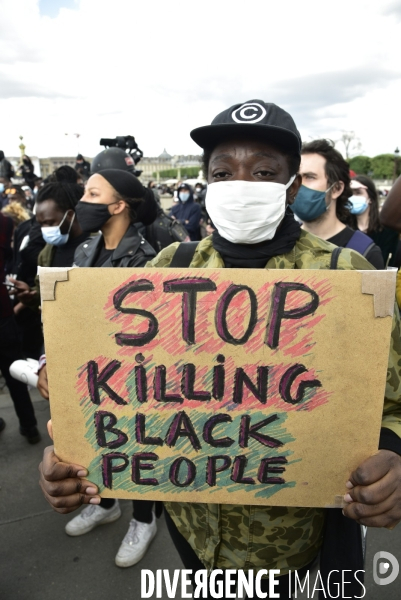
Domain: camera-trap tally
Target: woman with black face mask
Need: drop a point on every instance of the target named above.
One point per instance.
(110, 204)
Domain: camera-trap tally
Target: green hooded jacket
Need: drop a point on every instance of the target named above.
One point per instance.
(230, 536)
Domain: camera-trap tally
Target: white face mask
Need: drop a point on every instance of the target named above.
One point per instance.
(247, 212)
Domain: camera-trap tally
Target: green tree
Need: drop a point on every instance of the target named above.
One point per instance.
(170, 173)
(360, 164)
(190, 172)
(383, 166)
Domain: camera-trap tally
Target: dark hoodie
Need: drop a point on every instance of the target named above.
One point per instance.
(188, 211)
(84, 167)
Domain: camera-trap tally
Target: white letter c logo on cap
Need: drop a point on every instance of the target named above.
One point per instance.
(250, 112)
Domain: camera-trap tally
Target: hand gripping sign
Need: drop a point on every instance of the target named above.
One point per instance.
(217, 385)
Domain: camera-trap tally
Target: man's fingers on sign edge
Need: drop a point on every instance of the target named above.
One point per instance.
(386, 519)
(53, 469)
(373, 468)
(375, 493)
(67, 504)
(69, 487)
(359, 511)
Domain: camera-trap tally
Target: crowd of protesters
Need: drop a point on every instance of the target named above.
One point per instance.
(101, 215)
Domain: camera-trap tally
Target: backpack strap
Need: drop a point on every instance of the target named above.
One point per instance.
(360, 242)
(334, 258)
(150, 236)
(184, 254)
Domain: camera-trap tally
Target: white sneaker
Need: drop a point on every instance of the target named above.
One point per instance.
(136, 542)
(92, 516)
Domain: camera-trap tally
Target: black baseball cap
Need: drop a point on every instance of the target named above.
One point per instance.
(260, 119)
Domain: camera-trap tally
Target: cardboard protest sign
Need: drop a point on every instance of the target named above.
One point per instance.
(217, 385)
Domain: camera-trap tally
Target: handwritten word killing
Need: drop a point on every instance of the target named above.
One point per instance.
(99, 380)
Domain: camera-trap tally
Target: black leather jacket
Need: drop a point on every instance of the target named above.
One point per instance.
(132, 251)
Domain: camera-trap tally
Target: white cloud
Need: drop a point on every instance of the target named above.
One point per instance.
(158, 69)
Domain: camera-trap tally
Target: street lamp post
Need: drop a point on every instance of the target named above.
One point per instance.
(22, 146)
(396, 154)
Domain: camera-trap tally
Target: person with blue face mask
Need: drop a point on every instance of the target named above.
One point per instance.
(359, 203)
(322, 203)
(187, 211)
(55, 213)
(365, 217)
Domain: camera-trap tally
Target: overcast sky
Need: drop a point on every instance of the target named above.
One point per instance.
(156, 69)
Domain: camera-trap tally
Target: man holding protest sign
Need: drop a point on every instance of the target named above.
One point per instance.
(252, 151)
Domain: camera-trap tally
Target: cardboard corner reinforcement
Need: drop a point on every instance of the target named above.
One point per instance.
(381, 284)
(48, 277)
(339, 502)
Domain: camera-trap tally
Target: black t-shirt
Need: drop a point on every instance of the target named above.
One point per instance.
(64, 255)
(374, 256)
(387, 240)
(103, 255)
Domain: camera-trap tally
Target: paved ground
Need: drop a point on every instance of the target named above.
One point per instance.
(166, 202)
(38, 561)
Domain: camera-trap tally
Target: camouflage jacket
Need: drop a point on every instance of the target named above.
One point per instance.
(232, 536)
